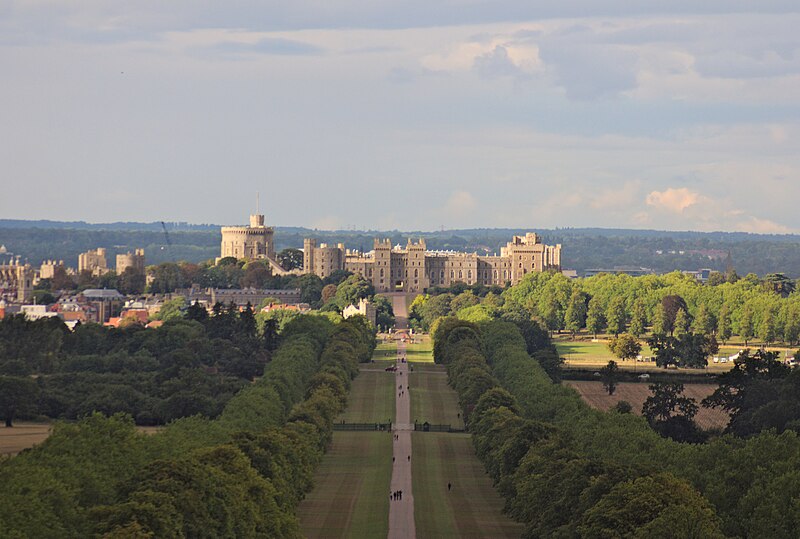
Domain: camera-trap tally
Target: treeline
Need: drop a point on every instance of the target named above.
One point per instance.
(241, 475)
(766, 309)
(584, 249)
(567, 470)
(193, 364)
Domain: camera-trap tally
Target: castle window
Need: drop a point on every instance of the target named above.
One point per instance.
(381, 274)
(495, 274)
(460, 274)
(452, 274)
(442, 275)
(416, 273)
(469, 274)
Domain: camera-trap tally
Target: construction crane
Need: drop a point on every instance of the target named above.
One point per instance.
(169, 243)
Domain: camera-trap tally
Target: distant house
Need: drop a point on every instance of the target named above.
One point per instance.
(108, 302)
(364, 308)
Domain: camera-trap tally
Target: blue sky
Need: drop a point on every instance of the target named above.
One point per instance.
(409, 115)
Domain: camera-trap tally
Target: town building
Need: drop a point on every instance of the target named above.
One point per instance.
(134, 260)
(48, 268)
(93, 261)
(415, 269)
(16, 281)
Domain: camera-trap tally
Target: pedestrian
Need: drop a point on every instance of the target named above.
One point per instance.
(449, 486)
(392, 460)
(409, 458)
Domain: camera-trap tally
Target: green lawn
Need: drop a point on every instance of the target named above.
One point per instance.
(432, 400)
(472, 508)
(596, 354)
(420, 351)
(350, 498)
(385, 351)
(371, 398)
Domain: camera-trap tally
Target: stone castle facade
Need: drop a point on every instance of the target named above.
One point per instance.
(410, 269)
(133, 260)
(254, 242)
(414, 268)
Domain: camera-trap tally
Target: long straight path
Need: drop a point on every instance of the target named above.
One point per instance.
(401, 511)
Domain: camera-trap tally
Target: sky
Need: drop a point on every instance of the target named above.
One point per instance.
(409, 115)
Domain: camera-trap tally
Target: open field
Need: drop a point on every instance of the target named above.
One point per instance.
(472, 508)
(588, 354)
(596, 396)
(432, 400)
(351, 496)
(371, 398)
(27, 434)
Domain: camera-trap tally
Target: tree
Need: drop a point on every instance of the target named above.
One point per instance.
(609, 375)
(724, 326)
(715, 278)
(257, 274)
(638, 318)
(766, 329)
(660, 320)
(575, 316)
(780, 284)
(664, 347)
(703, 321)
(17, 396)
(328, 293)
(595, 318)
(172, 309)
(791, 327)
(290, 259)
(672, 304)
(625, 346)
(670, 413)
(746, 323)
(615, 315)
(682, 323)
(759, 392)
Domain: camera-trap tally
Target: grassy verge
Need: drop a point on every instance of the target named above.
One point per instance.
(472, 508)
(371, 398)
(432, 400)
(420, 351)
(350, 498)
(385, 351)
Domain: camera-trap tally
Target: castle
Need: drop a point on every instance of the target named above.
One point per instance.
(254, 242)
(414, 268)
(390, 269)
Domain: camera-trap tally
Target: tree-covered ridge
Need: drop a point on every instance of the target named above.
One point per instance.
(588, 248)
(240, 475)
(568, 470)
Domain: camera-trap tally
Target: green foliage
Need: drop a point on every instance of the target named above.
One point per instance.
(625, 346)
(241, 475)
(609, 376)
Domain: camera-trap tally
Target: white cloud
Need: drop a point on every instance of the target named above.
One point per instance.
(672, 199)
(460, 204)
(762, 226)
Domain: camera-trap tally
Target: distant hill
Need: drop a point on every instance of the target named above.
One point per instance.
(583, 248)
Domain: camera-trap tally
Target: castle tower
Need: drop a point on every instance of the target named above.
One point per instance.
(309, 245)
(415, 265)
(382, 272)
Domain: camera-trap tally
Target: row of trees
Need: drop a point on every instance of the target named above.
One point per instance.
(548, 483)
(673, 304)
(240, 475)
(615, 473)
